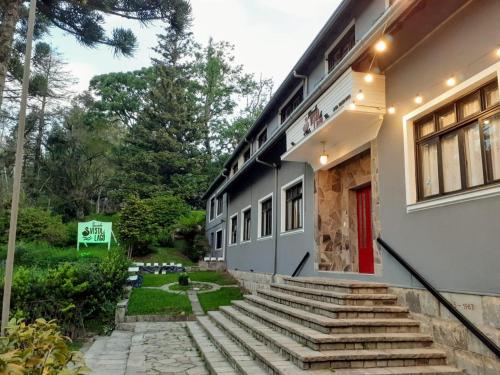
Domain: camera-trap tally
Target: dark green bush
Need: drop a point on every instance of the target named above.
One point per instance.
(166, 210)
(183, 279)
(190, 229)
(35, 224)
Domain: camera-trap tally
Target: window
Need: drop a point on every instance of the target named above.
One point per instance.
(266, 216)
(341, 49)
(218, 239)
(292, 104)
(246, 225)
(458, 146)
(212, 208)
(211, 239)
(246, 155)
(235, 168)
(293, 207)
(233, 229)
(219, 205)
(262, 138)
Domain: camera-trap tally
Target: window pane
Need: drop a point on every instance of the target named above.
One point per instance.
(492, 143)
(473, 159)
(429, 169)
(447, 117)
(451, 163)
(469, 106)
(491, 95)
(426, 127)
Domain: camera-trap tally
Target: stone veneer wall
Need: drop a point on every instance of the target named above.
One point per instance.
(464, 350)
(336, 234)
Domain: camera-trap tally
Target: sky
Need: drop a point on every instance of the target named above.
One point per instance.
(269, 37)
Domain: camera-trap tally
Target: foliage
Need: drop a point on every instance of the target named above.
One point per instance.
(135, 226)
(38, 348)
(222, 297)
(72, 293)
(165, 210)
(183, 279)
(191, 229)
(153, 301)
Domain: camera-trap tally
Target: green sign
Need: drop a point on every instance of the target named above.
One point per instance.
(94, 232)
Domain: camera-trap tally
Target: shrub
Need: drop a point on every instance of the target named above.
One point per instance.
(190, 228)
(38, 348)
(35, 224)
(166, 209)
(183, 279)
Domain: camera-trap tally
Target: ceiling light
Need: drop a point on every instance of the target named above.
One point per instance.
(323, 159)
(381, 45)
(352, 106)
(360, 96)
(369, 78)
(391, 110)
(451, 81)
(419, 99)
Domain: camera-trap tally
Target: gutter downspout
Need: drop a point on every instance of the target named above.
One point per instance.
(276, 168)
(305, 79)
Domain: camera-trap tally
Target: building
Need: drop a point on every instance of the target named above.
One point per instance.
(387, 127)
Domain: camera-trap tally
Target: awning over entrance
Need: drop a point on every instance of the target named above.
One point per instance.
(340, 123)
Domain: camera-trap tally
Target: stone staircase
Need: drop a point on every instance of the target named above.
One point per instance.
(317, 326)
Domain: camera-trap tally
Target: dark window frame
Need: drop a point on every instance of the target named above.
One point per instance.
(292, 104)
(294, 206)
(218, 240)
(247, 154)
(246, 223)
(262, 138)
(459, 127)
(266, 217)
(341, 49)
(235, 168)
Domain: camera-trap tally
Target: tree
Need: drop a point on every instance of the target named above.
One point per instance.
(85, 20)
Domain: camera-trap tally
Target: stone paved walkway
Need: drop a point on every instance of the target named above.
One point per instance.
(148, 348)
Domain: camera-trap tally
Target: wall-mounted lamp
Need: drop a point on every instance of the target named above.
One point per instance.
(323, 159)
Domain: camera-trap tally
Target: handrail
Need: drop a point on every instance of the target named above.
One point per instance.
(465, 321)
(301, 264)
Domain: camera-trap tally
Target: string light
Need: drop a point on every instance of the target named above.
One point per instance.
(419, 99)
(369, 78)
(451, 81)
(323, 159)
(360, 96)
(381, 45)
(391, 110)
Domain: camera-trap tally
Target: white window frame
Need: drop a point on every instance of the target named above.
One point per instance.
(259, 219)
(249, 207)
(300, 87)
(210, 218)
(337, 41)
(284, 188)
(412, 203)
(222, 239)
(230, 229)
(217, 205)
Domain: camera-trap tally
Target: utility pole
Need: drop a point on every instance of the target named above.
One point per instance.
(18, 170)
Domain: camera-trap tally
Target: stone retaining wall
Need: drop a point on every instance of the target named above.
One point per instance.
(463, 348)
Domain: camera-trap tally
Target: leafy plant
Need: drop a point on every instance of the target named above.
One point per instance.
(183, 279)
(190, 228)
(38, 349)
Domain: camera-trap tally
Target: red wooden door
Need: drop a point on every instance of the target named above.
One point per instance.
(365, 240)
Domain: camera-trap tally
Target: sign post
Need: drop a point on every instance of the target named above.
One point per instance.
(94, 232)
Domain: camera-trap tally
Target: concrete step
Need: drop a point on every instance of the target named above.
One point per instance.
(307, 358)
(336, 297)
(410, 370)
(323, 341)
(109, 354)
(255, 306)
(235, 355)
(215, 362)
(333, 310)
(342, 286)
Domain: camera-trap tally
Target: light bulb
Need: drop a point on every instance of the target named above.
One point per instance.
(368, 78)
(360, 96)
(451, 81)
(323, 159)
(381, 45)
(419, 99)
(391, 110)
(498, 52)
(352, 106)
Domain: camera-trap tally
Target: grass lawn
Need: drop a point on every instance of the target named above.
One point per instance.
(157, 302)
(165, 255)
(206, 276)
(222, 297)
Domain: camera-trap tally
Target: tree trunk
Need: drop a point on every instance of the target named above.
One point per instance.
(39, 138)
(7, 29)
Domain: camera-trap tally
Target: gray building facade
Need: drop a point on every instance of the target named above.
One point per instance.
(387, 127)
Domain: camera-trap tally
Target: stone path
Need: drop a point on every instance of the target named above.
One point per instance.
(148, 348)
(195, 303)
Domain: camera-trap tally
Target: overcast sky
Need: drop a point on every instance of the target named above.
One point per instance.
(269, 36)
